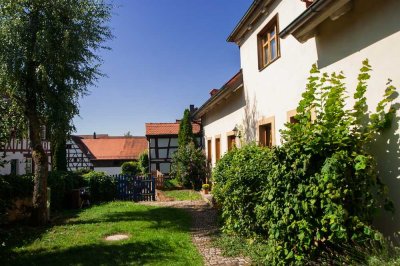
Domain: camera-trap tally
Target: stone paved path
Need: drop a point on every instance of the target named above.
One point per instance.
(203, 226)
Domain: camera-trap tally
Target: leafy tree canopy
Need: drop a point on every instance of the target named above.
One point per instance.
(48, 58)
(185, 135)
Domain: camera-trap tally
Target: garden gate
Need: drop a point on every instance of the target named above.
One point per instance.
(136, 188)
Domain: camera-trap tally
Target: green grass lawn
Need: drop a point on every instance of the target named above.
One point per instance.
(158, 236)
(183, 194)
(171, 183)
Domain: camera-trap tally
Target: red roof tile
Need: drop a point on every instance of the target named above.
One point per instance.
(155, 129)
(116, 148)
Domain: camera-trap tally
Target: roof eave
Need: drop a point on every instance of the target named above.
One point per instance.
(220, 95)
(247, 22)
(305, 25)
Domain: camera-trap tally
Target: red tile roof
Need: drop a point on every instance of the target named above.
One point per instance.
(115, 148)
(155, 129)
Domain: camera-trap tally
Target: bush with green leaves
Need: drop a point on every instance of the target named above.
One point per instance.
(144, 162)
(185, 135)
(131, 168)
(61, 183)
(317, 194)
(237, 179)
(102, 186)
(189, 166)
(11, 188)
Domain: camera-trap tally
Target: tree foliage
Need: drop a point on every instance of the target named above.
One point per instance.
(185, 135)
(11, 123)
(131, 168)
(189, 166)
(102, 186)
(144, 162)
(48, 58)
(188, 162)
(316, 195)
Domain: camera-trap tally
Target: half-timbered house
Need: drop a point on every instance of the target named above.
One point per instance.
(103, 152)
(17, 154)
(163, 142)
(78, 155)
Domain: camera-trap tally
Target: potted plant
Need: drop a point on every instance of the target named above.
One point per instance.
(206, 188)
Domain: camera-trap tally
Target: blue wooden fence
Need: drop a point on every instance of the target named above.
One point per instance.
(135, 188)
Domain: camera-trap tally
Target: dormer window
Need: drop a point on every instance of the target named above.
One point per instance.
(268, 44)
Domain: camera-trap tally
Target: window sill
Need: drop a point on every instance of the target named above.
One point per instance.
(270, 63)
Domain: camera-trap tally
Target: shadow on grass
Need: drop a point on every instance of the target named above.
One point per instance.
(160, 217)
(138, 253)
(20, 235)
(23, 233)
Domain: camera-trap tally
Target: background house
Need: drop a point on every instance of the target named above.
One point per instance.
(279, 40)
(163, 142)
(78, 155)
(18, 155)
(103, 153)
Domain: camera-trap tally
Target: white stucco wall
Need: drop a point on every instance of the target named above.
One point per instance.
(370, 30)
(21, 165)
(109, 170)
(277, 89)
(221, 120)
(19, 150)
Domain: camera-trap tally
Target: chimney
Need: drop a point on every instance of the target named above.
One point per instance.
(213, 92)
(308, 2)
(94, 135)
(191, 108)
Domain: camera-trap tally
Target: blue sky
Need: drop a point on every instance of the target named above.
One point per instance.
(166, 55)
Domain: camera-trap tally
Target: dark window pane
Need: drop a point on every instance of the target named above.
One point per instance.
(273, 49)
(266, 55)
(272, 33)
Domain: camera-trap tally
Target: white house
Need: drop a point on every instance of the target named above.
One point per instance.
(103, 153)
(163, 142)
(17, 154)
(279, 40)
(78, 155)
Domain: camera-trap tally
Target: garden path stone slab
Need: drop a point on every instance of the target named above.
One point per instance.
(116, 237)
(204, 226)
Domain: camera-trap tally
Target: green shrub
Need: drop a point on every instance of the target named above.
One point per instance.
(237, 179)
(61, 183)
(82, 171)
(189, 166)
(144, 162)
(316, 195)
(11, 188)
(131, 168)
(102, 186)
(171, 183)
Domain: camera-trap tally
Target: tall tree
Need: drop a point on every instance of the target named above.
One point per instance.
(48, 58)
(188, 162)
(185, 135)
